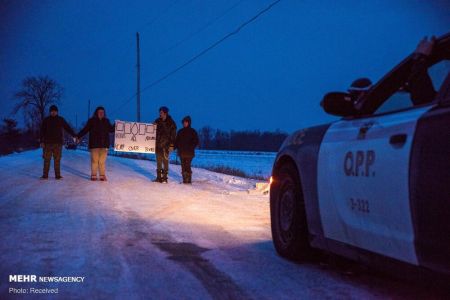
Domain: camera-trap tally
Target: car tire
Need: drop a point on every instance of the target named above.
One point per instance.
(288, 216)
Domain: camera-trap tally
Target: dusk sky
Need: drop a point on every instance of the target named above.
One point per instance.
(271, 75)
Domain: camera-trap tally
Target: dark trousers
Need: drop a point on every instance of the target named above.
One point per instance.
(54, 150)
(162, 159)
(186, 170)
(186, 165)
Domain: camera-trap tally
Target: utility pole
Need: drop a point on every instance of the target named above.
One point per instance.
(138, 92)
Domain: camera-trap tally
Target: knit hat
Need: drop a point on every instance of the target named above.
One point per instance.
(186, 119)
(164, 109)
(53, 108)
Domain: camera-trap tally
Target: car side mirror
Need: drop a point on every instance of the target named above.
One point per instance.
(339, 104)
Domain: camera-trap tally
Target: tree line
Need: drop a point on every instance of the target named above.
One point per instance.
(37, 93)
(14, 139)
(217, 139)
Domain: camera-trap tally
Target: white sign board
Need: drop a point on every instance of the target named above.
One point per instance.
(134, 137)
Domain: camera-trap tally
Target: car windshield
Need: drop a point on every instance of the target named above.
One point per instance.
(438, 73)
(419, 89)
(420, 79)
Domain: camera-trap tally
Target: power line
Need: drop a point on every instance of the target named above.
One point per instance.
(204, 51)
(194, 58)
(139, 29)
(203, 28)
(148, 23)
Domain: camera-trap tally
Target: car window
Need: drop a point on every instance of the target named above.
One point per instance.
(398, 101)
(438, 73)
(403, 97)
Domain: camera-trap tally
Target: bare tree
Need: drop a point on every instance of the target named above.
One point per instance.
(35, 97)
(31, 120)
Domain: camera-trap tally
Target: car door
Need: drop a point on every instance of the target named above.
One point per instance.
(363, 183)
(364, 170)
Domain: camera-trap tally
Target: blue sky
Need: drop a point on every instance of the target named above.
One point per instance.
(272, 75)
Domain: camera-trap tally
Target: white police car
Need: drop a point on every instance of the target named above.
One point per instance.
(376, 183)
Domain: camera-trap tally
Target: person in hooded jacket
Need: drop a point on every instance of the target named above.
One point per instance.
(52, 140)
(166, 131)
(186, 142)
(99, 129)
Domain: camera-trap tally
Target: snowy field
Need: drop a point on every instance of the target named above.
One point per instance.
(252, 163)
(134, 239)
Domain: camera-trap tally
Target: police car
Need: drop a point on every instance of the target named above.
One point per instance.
(376, 183)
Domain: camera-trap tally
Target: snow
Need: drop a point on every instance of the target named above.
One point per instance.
(132, 238)
(252, 163)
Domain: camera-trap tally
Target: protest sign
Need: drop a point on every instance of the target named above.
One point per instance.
(134, 137)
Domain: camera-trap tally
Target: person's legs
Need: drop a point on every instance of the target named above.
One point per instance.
(183, 168)
(57, 154)
(94, 162)
(165, 161)
(159, 160)
(188, 170)
(158, 166)
(47, 157)
(103, 153)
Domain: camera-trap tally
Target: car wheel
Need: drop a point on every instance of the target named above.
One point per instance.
(288, 217)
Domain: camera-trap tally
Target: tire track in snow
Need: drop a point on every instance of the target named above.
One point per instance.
(218, 284)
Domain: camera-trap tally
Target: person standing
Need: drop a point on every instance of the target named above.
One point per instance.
(185, 143)
(166, 131)
(51, 138)
(99, 129)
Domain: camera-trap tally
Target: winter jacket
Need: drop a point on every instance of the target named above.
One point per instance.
(166, 132)
(52, 130)
(98, 132)
(186, 142)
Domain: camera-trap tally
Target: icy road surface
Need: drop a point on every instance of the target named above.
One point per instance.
(134, 239)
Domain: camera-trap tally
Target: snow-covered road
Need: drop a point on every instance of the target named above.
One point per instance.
(134, 239)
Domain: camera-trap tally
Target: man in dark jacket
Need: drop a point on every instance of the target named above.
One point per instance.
(166, 131)
(52, 139)
(99, 129)
(186, 142)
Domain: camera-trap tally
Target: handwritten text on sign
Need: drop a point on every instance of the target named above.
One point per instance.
(135, 137)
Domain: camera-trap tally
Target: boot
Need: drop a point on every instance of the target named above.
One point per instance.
(164, 176)
(158, 176)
